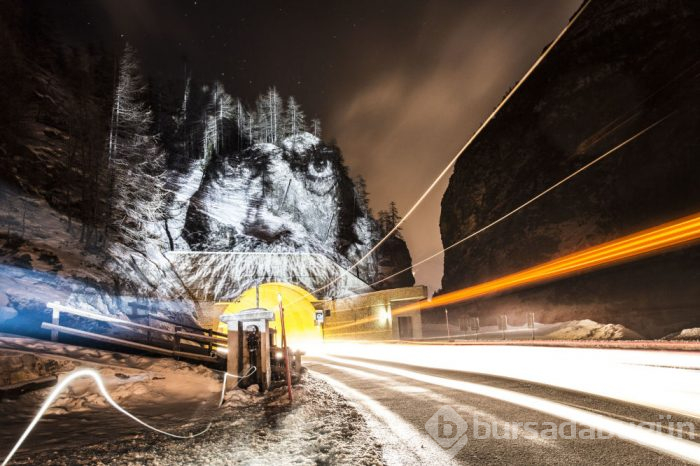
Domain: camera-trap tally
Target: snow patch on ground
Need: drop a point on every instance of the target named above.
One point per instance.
(571, 330)
(590, 330)
(301, 142)
(24, 367)
(687, 334)
(320, 427)
(128, 378)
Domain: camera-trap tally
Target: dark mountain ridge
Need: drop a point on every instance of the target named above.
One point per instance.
(622, 67)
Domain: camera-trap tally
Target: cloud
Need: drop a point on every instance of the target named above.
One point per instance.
(403, 123)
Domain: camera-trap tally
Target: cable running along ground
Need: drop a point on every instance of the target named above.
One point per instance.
(103, 391)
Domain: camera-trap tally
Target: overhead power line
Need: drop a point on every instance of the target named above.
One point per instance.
(527, 203)
(459, 153)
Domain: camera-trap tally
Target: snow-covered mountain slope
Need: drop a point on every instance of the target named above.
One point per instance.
(42, 259)
(284, 203)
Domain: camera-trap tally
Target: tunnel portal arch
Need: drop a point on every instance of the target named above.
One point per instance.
(299, 312)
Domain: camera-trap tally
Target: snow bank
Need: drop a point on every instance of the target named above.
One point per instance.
(685, 334)
(129, 379)
(18, 367)
(301, 142)
(591, 330)
(321, 427)
(571, 330)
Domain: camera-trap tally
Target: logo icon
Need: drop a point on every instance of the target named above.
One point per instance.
(448, 429)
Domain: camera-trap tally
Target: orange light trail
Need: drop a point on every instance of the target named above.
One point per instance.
(655, 239)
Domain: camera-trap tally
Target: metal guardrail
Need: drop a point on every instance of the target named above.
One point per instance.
(209, 332)
(17, 388)
(177, 335)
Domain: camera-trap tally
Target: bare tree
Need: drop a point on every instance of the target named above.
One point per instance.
(269, 117)
(263, 125)
(316, 127)
(293, 118)
(219, 113)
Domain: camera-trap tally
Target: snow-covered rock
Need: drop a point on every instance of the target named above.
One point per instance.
(292, 203)
(685, 334)
(231, 184)
(590, 330)
(302, 142)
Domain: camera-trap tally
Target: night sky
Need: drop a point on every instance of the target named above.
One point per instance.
(400, 85)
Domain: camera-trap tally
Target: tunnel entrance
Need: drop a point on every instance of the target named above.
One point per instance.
(298, 312)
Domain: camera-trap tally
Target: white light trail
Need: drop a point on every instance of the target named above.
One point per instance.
(226, 376)
(665, 380)
(393, 428)
(664, 443)
(459, 153)
(103, 391)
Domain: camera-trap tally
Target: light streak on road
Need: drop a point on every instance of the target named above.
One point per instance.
(664, 443)
(396, 434)
(654, 239)
(665, 380)
(103, 391)
(648, 241)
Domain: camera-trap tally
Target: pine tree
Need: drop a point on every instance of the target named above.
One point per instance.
(383, 221)
(294, 118)
(137, 163)
(388, 219)
(394, 218)
(362, 194)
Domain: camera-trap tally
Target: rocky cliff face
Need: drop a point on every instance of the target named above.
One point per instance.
(267, 198)
(623, 66)
(238, 192)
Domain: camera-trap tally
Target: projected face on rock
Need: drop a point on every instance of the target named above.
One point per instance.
(316, 167)
(269, 198)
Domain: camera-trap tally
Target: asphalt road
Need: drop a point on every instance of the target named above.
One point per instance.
(403, 403)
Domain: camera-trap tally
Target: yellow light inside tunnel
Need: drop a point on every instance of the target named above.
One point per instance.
(299, 312)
